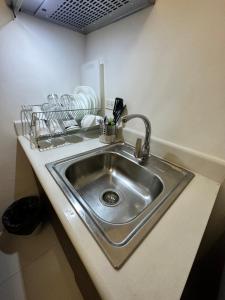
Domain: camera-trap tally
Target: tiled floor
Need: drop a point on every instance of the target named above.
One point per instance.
(35, 268)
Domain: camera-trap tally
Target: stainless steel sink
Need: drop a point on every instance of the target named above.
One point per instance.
(115, 188)
(117, 198)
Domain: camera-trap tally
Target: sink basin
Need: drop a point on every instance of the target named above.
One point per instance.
(118, 199)
(115, 188)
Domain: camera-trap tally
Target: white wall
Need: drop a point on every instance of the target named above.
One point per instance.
(36, 58)
(168, 62)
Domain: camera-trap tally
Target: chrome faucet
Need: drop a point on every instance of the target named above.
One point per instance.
(141, 152)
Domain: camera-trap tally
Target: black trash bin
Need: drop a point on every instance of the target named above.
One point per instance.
(23, 216)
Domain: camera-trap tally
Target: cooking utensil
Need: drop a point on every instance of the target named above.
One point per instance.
(119, 114)
(118, 106)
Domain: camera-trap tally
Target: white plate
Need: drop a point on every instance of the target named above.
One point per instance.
(88, 104)
(88, 90)
(81, 106)
(84, 100)
(91, 102)
(77, 100)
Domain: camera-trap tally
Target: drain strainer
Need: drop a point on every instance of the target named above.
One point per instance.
(110, 198)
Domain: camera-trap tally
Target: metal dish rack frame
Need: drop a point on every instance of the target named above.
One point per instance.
(33, 115)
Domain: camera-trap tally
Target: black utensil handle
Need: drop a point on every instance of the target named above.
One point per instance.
(119, 114)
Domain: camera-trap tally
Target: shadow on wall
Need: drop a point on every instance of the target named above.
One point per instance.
(18, 180)
(17, 251)
(31, 264)
(25, 182)
(6, 15)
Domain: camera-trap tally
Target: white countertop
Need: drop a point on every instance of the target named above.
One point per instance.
(159, 267)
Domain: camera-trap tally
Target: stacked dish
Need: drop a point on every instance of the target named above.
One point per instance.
(84, 98)
(77, 111)
(87, 98)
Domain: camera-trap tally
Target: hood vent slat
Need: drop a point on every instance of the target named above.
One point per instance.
(85, 16)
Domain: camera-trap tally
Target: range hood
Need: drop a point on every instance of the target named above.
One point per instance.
(83, 16)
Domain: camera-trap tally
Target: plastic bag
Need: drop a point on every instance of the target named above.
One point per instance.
(23, 216)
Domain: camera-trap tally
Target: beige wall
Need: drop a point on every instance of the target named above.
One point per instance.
(6, 15)
(168, 62)
(36, 58)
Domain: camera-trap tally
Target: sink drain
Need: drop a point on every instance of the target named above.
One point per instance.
(110, 198)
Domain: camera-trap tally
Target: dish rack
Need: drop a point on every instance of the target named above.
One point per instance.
(48, 128)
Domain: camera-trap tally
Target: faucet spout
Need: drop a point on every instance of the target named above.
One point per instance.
(145, 149)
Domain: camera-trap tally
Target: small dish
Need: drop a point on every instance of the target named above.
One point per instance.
(88, 121)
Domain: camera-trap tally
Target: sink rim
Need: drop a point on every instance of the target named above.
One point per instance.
(118, 253)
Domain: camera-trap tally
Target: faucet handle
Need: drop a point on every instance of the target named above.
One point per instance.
(138, 148)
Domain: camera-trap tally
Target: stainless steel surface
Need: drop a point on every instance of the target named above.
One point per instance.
(118, 199)
(138, 150)
(45, 125)
(136, 187)
(83, 15)
(142, 154)
(110, 198)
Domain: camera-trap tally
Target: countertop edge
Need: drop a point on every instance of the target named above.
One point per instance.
(130, 282)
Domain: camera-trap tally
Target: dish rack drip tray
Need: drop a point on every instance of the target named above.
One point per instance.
(46, 128)
(83, 15)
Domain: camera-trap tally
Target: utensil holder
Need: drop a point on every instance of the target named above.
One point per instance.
(107, 133)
